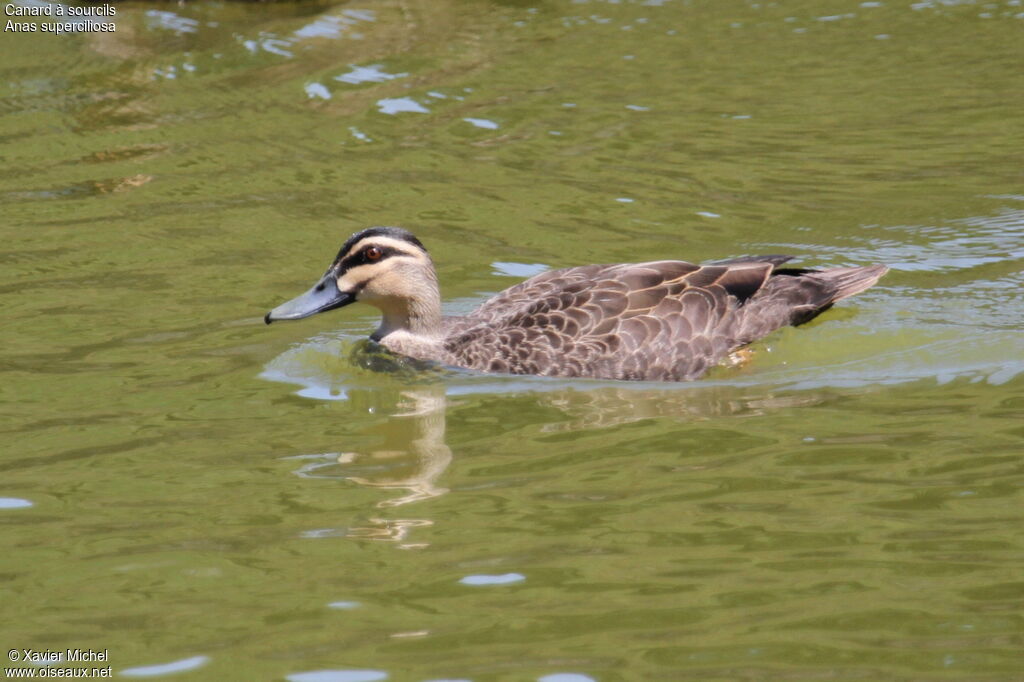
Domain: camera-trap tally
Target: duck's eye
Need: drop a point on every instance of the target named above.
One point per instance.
(374, 253)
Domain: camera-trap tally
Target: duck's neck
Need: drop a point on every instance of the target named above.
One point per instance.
(410, 300)
(420, 317)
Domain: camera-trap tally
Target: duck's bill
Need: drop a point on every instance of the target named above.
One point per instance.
(322, 297)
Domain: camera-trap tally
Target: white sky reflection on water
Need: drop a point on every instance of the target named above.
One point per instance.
(334, 25)
(162, 669)
(373, 73)
(502, 579)
(317, 91)
(401, 105)
(482, 123)
(338, 676)
(519, 269)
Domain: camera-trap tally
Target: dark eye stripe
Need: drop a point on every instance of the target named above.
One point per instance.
(360, 258)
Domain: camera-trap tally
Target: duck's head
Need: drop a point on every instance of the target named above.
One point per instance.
(386, 267)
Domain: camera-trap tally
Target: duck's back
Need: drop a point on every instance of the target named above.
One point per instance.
(657, 321)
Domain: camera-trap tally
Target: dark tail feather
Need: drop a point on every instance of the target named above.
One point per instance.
(850, 281)
(795, 296)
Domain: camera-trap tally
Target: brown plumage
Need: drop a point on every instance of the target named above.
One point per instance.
(657, 321)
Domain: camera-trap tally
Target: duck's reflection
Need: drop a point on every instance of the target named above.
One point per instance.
(406, 417)
(412, 457)
(410, 460)
(404, 410)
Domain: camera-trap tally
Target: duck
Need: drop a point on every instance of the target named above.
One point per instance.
(665, 320)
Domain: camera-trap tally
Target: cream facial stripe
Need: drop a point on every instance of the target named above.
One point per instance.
(386, 243)
(387, 232)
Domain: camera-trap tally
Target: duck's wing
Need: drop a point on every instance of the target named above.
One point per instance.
(579, 286)
(520, 298)
(658, 320)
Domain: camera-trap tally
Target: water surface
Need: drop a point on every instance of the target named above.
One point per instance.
(209, 498)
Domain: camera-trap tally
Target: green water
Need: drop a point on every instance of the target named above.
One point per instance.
(208, 498)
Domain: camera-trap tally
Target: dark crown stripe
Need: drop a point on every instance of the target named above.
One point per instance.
(359, 257)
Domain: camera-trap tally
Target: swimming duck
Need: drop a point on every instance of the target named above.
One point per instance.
(664, 320)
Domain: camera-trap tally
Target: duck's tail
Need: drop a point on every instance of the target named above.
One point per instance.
(796, 295)
(845, 282)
